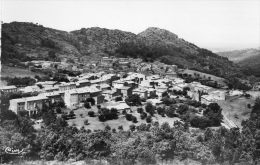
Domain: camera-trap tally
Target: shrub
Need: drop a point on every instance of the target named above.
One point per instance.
(149, 119)
(120, 128)
(102, 118)
(128, 117)
(86, 122)
(134, 119)
(149, 108)
(182, 109)
(114, 130)
(87, 105)
(132, 127)
(72, 114)
(124, 112)
(107, 128)
(81, 115)
(98, 106)
(91, 100)
(140, 110)
(249, 106)
(143, 115)
(200, 122)
(142, 127)
(91, 114)
(58, 110)
(160, 111)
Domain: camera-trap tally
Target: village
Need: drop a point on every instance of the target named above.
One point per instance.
(111, 83)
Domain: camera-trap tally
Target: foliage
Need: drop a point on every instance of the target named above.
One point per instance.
(133, 100)
(91, 113)
(149, 108)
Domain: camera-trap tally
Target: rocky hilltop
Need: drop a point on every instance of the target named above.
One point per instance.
(23, 41)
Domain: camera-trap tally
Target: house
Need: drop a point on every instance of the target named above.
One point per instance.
(67, 86)
(73, 97)
(110, 94)
(31, 89)
(143, 93)
(120, 106)
(8, 89)
(29, 104)
(124, 91)
(83, 83)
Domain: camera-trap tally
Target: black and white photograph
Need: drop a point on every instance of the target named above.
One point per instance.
(130, 82)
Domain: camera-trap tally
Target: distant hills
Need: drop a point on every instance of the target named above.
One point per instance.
(23, 41)
(247, 59)
(240, 55)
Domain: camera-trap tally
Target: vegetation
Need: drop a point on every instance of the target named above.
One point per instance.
(146, 143)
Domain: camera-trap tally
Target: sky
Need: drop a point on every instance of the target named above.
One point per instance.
(218, 25)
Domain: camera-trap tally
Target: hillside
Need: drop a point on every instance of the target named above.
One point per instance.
(240, 55)
(247, 59)
(24, 41)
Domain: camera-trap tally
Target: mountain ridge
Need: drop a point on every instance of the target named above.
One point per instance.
(22, 41)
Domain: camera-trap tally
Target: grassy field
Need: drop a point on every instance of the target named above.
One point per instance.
(96, 124)
(236, 110)
(7, 71)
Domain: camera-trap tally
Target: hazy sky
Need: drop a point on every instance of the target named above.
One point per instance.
(213, 24)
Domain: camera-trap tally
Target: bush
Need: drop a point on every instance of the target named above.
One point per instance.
(140, 110)
(200, 122)
(87, 105)
(143, 115)
(72, 114)
(81, 115)
(160, 111)
(86, 122)
(134, 119)
(128, 117)
(132, 127)
(91, 114)
(142, 127)
(91, 100)
(102, 118)
(114, 130)
(120, 128)
(58, 110)
(149, 108)
(149, 119)
(107, 128)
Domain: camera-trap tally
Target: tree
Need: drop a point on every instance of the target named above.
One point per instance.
(149, 119)
(213, 113)
(140, 110)
(200, 122)
(149, 108)
(183, 109)
(91, 100)
(86, 105)
(91, 114)
(133, 100)
(132, 127)
(143, 115)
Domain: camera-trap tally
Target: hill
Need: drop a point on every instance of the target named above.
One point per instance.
(25, 41)
(247, 59)
(240, 55)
